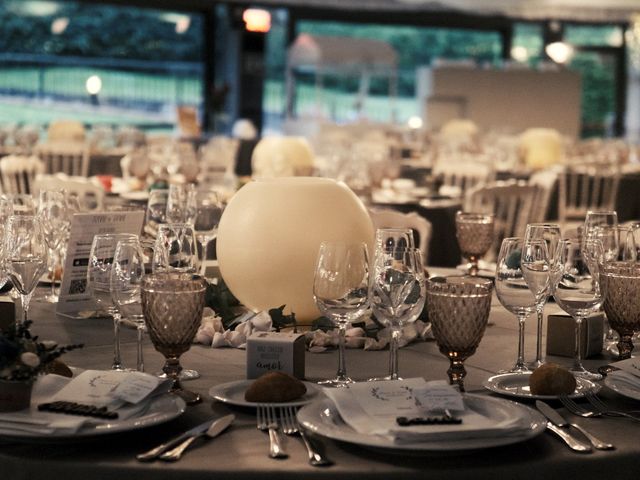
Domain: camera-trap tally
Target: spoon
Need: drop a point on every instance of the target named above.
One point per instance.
(213, 431)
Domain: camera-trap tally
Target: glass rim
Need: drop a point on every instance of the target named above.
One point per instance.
(180, 282)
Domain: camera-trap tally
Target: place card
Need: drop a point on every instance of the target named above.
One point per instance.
(439, 396)
(275, 351)
(75, 297)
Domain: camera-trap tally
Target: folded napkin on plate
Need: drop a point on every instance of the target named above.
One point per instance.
(127, 393)
(625, 378)
(372, 408)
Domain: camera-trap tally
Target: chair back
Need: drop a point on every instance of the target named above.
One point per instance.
(70, 158)
(90, 196)
(66, 131)
(389, 218)
(462, 174)
(18, 173)
(586, 186)
(511, 202)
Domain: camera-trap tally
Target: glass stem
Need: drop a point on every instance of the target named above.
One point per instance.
(140, 360)
(540, 315)
(342, 366)
(117, 363)
(204, 242)
(52, 269)
(577, 362)
(520, 360)
(393, 353)
(26, 299)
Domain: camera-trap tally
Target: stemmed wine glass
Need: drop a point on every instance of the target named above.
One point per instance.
(577, 293)
(172, 304)
(101, 254)
(396, 293)
(181, 203)
(6, 210)
(550, 233)
(513, 292)
(209, 210)
(127, 272)
(25, 253)
(175, 248)
(592, 229)
(474, 232)
(340, 290)
(52, 211)
(156, 212)
(391, 237)
(459, 310)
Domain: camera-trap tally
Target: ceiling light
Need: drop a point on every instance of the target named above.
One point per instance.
(559, 52)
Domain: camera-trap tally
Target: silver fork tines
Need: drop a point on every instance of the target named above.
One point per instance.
(267, 419)
(290, 426)
(603, 409)
(576, 409)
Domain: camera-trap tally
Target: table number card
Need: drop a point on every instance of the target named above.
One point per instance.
(74, 296)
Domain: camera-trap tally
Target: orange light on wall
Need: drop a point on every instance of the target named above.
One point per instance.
(257, 20)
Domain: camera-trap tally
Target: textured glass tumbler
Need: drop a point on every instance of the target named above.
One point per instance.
(459, 310)
(474, 232)
(172, 306)
(620, 285)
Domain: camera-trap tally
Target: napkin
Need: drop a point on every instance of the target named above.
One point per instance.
(128, 393)
(371, 408)
(626, 379)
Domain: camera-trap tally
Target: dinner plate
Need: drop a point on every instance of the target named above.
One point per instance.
(233, 394)
(136, 196)
(622, 387)
(162, 409)
(322, 418)
(517, 385)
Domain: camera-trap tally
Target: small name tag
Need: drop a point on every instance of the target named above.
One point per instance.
(439, 396)
(275, 351)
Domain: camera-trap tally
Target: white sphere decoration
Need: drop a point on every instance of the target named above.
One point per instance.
(270, 233)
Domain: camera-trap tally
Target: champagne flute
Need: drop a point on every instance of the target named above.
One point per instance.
(513, 293)
(474, 232)
(25, 255)
(577, 293)
(125, 280)
(99, 283)
(550, 233)
(396, 293)
(209, 210)
(340, 290)
(593, 222)
(52, 212)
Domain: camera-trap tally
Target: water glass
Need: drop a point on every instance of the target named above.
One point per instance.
(474, 232)
(157, 206)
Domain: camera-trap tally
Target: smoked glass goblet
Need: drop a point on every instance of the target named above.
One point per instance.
(172, 305)
(474, 232)
(459, 310)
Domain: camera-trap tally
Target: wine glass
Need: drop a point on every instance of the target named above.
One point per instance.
(157, 206)
(6, 210)
(396, 293)
(513, 293)
(340, 290)
(52, 211)
(620, 284)
(181, 203)
(474, 232)
(550, 233)
(125, 280)
(25, 255)
(395, 237)
(591, 230)
(175, 248)
(172, 304)
(101, 254)
(209, 210)
(577, 293)
(459, 310)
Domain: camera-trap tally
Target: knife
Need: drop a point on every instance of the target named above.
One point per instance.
(157, 451)
(213, 431)
(553, 424)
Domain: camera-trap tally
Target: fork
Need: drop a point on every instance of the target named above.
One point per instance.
(602, 407)
(266, 419)
(581, 411)
(290, 426)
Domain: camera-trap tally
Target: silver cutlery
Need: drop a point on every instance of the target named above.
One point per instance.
(559, 421)
(163, 447)
(572, 442)
(267, 419)
(604, 409)
(213, 431)
(581, 411)
(290, 426)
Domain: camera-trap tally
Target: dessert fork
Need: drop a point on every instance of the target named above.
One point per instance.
(602, 407)
(290, 426)
(267, 419)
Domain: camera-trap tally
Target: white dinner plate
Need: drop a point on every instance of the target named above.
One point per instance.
(622, 388)
(517, 385)
(322, 418)
(161, 410)
(136, 196)
(233, 394)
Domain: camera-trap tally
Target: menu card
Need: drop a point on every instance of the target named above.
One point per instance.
(75, 298)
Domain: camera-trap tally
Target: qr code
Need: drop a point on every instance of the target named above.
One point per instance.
(78, 286)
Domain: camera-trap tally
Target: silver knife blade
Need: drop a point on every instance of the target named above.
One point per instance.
(572, 442)
(213, 431)
(220, 425)
(157, 451)
(551, 414)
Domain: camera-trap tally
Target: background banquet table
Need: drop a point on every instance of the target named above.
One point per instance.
(241, 453)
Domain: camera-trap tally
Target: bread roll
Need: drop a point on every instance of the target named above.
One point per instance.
(275, 387)
(552, 379)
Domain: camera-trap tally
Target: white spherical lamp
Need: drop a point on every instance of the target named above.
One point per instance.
(270, 233)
